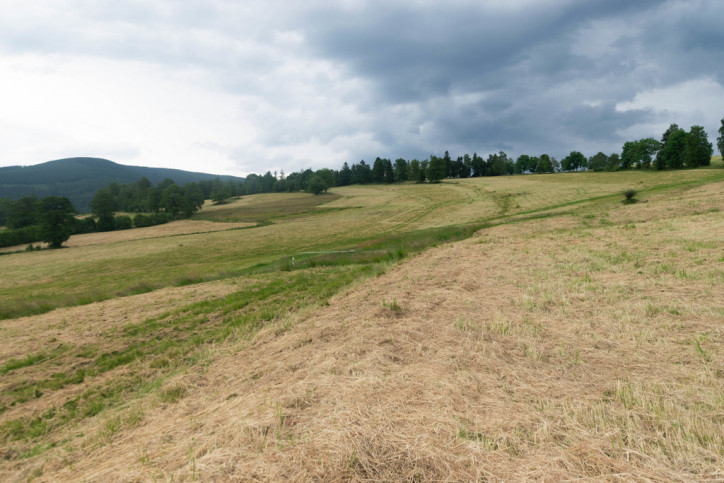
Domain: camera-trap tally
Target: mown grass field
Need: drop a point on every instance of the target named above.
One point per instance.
(560, 333)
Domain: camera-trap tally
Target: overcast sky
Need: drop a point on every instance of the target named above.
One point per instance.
(239, 87)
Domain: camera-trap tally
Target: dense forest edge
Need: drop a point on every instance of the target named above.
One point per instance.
(52, 219)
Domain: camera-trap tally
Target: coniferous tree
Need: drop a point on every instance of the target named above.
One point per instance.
(345, 175)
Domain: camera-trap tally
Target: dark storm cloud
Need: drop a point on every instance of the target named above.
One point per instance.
(415, 51)
(320, 81)
(521, 57)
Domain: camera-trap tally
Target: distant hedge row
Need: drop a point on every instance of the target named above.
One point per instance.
(32, 234)
(19, 236)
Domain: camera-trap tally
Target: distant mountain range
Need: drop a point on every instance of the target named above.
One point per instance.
(79, 178)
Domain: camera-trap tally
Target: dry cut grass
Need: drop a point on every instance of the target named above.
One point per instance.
(175, 228)
(582, 346)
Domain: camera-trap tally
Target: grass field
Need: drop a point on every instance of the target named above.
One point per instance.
(558, 334)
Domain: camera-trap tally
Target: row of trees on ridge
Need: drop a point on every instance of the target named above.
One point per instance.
(52, 219)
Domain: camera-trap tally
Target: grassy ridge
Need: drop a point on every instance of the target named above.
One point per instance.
(35, 283)
(358, 233)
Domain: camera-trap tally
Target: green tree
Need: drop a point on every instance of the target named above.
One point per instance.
(194, 195)
(478, 164)
(437, 169)
(345, 175)
(673, 145)
(168, 182)
(698, 148)
(23, 212)
(389, 171)
(414, 170)
(401, 169)
(172, 200)
(628, 155)
(497, 164)
(613, 163)
(56, 220)
(573, 162)
(521, 164)
(598, 162)
(378, 170)
(153, 200)
(327, 176)
(123, 222)
(5, 205)
(467, 169)
(544, 164)
(220, 193)
(720, 139)
(448, 165)
(646, 150)
(316, 185)
(102, 207)
(424, 165)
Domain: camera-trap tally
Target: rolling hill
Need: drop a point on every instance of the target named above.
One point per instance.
(79, 178)
(505, 328)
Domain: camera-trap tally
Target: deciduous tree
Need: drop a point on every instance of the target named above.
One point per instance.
(401, 169)
(698, 148)
(316, 185)
(598, 162)
(437, 169)
(102, 207)
(56, 220)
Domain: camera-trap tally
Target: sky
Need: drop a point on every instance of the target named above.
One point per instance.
(240, 87)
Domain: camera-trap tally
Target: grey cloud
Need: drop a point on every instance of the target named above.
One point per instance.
(542, 77)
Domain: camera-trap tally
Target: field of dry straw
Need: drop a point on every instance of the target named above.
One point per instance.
(586, 342)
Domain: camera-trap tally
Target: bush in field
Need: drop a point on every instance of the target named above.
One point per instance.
(141, 221)
(630, 196)
(123, 222)
(160, 218)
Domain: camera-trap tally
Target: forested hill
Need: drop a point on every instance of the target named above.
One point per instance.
(78, 178)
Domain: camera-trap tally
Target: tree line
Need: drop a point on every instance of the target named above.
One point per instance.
(51, 219)
(677, 149)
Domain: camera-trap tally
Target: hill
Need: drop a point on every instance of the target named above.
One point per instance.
(507, 328)
(79, 178)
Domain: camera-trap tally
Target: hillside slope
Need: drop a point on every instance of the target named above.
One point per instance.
(79, 178)
(578, 345)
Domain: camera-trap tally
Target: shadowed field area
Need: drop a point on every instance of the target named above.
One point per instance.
(571, 336)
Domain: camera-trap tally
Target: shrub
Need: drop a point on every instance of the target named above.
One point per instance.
(630, 196)
(141, 221)
(123, 222)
